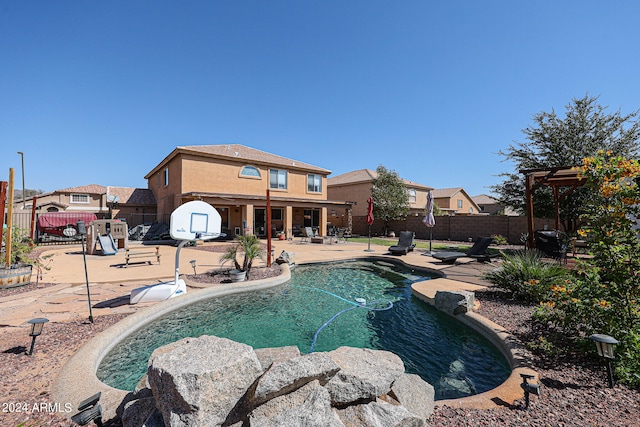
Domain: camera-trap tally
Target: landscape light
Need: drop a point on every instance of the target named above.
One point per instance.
(529, 388)
(193, 264)
(605, 345)
(36, 329)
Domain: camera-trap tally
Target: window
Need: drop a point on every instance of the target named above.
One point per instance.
(250, 171)
(166, 176)
(314, 183)
(412, 195)
(79, 198)
(278, 179)
(459, 203)
(276, 214)
(470, 210)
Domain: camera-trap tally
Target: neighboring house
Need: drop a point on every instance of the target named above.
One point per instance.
(234, 179)
(355, 186)
(132, 204)
(455, 201)
(492, 206)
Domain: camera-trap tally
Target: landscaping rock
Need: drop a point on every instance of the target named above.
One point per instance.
(267, 356)
(315, 411)
(415, 394)
(286, 376)
(454, 302)
(198, 381)
(364, 374)
(378, 414)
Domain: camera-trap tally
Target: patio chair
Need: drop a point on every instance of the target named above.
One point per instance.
(477, 251)
(405, 243)
(307, 234)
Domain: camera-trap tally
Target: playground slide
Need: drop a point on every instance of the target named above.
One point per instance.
(108, 245)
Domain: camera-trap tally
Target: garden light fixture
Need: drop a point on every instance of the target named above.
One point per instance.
(605, 345)
(529, 388)
(90, 410)
(193, 264)
(36, 329)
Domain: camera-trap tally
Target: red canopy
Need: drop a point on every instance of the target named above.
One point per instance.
(370, 210)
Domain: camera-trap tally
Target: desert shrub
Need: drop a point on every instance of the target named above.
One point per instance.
(499, 239)
(527, 275)
(603, 296)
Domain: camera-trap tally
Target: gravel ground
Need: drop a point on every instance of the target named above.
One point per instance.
(574, 391)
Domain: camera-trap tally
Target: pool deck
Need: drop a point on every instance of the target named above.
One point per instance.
(110, 284)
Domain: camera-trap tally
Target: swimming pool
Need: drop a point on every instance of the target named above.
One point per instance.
(317, 311)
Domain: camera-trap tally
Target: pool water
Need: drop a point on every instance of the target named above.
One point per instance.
(317, 311)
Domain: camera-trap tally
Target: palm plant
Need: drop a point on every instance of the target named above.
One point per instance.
(248, 245)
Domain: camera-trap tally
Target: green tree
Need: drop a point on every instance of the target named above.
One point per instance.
(554, 141)
(391, 200)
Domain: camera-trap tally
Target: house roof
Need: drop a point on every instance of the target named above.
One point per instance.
(132, 196)
(439, 193)
(366, 175)
(88, 189)
(237, 152)
(485, 199)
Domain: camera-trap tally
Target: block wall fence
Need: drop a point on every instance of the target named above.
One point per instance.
(457, 228)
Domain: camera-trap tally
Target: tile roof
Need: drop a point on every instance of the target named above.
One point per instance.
(237, 151)
(133, 196)
(485, 199)
(366, 175)
(446, 192)
(89, 189)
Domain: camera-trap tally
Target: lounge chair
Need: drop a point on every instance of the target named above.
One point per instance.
(477, 251)
(405, 243)
(307, 235)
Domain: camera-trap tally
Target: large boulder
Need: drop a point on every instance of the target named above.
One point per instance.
(198, 381)
(415, 394)
(267, 356)
(378, 414)
(288, 375)
(454, 302)
(315, 411)
(364, 374)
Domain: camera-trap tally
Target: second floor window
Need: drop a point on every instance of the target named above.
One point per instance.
(459, 203)
(412, 196)
(278, 179)
(165, 177)
(250, 171)
(79, 198)
(314, 183)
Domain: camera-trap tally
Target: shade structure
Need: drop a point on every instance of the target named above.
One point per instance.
(429, 220)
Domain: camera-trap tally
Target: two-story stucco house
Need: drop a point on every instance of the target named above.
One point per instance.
(356, 186)
(455, 201)
(234, 179)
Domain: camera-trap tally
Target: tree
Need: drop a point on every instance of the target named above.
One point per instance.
(554, 141)
(391, 200)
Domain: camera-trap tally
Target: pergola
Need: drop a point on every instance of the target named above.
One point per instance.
(563, 180)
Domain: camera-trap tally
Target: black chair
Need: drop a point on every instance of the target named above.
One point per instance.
(552, 243)
(405, 243)
(477, 251)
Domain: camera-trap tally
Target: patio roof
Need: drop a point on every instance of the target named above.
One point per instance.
(567, 178)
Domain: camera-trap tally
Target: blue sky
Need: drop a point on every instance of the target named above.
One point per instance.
(100, 92)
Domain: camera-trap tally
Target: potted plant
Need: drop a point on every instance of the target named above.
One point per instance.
(248, 245)
(18, 273)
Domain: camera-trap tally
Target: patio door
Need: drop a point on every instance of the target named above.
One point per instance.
(260, 222)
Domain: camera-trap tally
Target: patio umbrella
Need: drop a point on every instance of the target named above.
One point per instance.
(369, 219)
(429, 220)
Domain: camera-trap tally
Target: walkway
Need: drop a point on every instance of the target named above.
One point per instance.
(110, 282)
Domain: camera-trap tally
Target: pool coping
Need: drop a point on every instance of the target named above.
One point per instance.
(71, 387)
